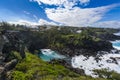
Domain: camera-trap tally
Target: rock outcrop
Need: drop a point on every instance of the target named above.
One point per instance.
(109, 37)
(87, 51)
(9, 42)
(67, 64)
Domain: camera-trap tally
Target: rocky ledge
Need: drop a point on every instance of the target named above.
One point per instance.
(9, 42)
(68, 65)
(91, 50)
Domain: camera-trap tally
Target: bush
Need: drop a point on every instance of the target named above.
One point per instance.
(18, 75)
(32, 67)
(14, 55)
(105, 73)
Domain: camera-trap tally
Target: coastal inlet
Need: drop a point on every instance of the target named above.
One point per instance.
(48, 54)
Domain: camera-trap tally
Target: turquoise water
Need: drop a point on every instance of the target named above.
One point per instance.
(48, 54)
(116, 44)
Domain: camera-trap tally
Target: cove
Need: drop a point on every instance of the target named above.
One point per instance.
(48, 55)
(116, 44)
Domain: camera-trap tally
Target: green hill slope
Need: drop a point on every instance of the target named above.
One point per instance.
(33, 68)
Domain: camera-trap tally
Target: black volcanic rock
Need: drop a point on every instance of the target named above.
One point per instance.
(109, 37)
(10, 65)
(9, 42)
(67, 64)
(87, 51)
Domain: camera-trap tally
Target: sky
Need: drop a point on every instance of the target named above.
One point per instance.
(78, 13)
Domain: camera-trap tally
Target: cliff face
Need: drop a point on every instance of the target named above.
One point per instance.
(8, 43)
(64, 43)
(2, 42)
(2, 57)
(109, 37)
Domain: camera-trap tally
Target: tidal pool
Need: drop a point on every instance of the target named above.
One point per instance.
(48, 54)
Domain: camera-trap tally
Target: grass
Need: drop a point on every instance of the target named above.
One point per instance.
(33, 68)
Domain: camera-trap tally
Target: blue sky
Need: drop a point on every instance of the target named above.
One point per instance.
(98, 13)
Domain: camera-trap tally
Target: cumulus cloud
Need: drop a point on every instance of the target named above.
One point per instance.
(67, 13)
(65, 3)
(77, 16)
(105, 24)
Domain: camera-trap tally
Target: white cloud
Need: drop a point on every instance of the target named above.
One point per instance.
(51, 2)
(29, 23)
(72, 15)
(23, 22)
(105, 24)
(44, 22)
(84, 2)
(65, 3)
(77, 16)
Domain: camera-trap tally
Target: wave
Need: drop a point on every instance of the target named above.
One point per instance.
(117, 34)
(48, 54)
(109, 61)
(47, 51)
(116, 44)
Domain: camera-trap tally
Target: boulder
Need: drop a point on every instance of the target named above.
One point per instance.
(10, 65)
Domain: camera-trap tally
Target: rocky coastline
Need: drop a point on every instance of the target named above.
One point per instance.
(10, 41)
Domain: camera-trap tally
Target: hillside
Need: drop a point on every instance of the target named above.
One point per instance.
(20, 46)
(33, 68)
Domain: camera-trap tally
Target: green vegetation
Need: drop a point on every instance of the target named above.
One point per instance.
(64, 38)
(104, 73)
(60, 37)
(14, 55)
(56, 38)
(7, 26)
(32, 68)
